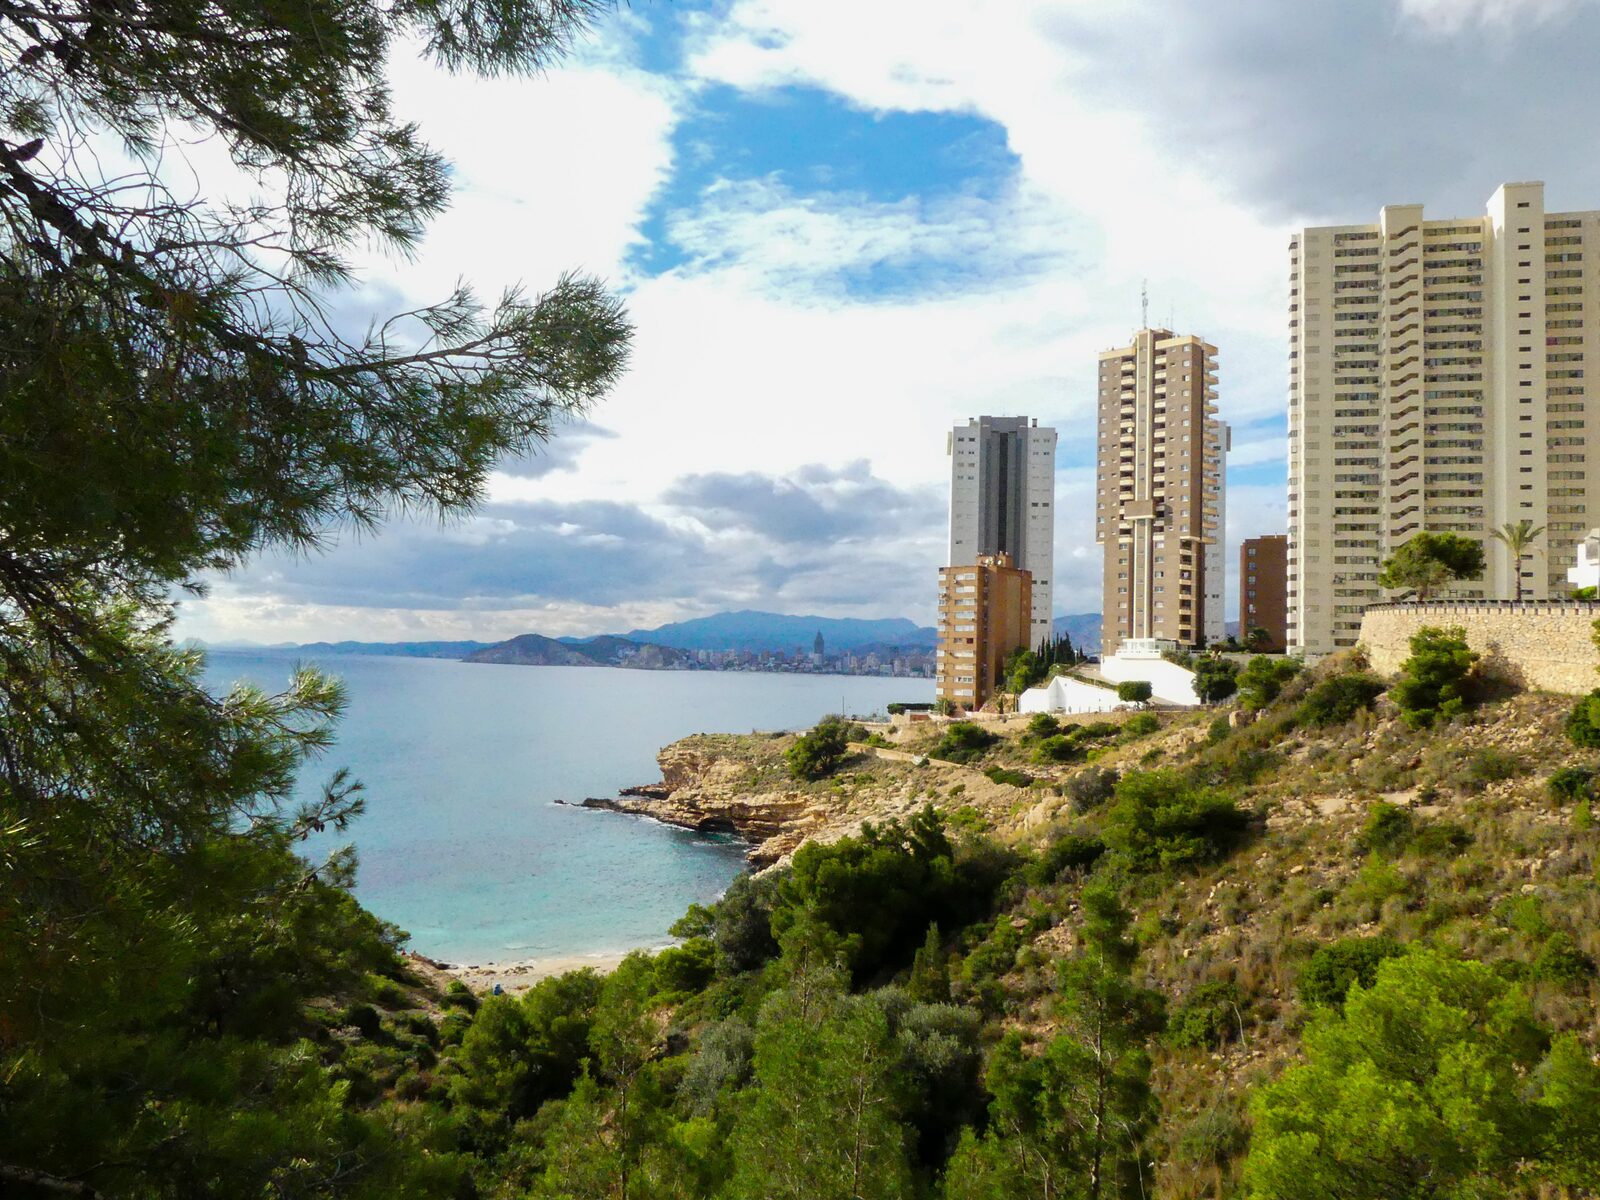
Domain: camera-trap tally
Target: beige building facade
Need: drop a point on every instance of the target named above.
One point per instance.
(1160, 491)
(1437, 382)
(985, 613)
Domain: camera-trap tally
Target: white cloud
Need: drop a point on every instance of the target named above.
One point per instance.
(1448, 17)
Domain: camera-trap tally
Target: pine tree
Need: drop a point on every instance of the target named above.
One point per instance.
(176, 397)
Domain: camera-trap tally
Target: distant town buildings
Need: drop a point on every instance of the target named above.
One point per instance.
(984, 615)
(1436, 382)
(1263, 591)
(1160, 492)
(1002, 501)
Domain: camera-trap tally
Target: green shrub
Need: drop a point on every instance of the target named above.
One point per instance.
(819, 751)
(1006, 775)
(1218, 730)
(1212, 1016)
(1140, 725)
(1215, 679)
(453, 1027)
(1134, 691)
(877, 739)
(1091, 787)
(685, 969)
(364, 1017)
(1572, 784)
(963, 742)
(1561, 962)
(1069, 852)
(1337, 699)
(1388, 829)
(459, 995)
(1058, 748)
(1583, 722)
(1440, 839)
(1328, 974)
(1437, 681)
(1040, 726)
(1263, 678)
(1159, 819)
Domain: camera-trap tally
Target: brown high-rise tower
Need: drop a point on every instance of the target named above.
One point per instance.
(1160, 491)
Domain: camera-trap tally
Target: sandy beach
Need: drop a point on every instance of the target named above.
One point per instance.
(520, 974)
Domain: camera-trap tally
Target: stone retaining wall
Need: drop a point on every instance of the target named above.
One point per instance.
(1541, 645)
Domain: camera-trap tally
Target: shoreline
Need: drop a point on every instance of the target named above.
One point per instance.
(518, 975)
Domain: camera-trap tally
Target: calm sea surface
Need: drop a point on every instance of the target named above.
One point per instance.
(463, 844)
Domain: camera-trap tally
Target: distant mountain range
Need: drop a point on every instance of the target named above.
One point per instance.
(671, 645)
(534, 650)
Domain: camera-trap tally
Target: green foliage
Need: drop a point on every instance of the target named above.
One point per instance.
(1430, 561)
(1583, 722)
(1058, 748)
(1434, 1081)
(1091, 787)
(1023, 669)
(1388, 828)
(1218, 731)
(930, 971)
(1436, 681)
(1215, 679)
(1561, 962)
(1134, 691)
(1586, 593)
(1140, 725)
(963, 742)
(1517, 537)
(1161, 820)
(819, 751)
(1329, 973)
(1041, 725)
(1038, 1141)
(1008, 776)
(1070, 852)
(1571, 784)
(877, 892)
(1339, 698)
(1263, 678)
(825, 1114)
(1212, 1015)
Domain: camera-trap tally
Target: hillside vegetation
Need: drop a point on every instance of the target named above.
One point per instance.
(1335, 952)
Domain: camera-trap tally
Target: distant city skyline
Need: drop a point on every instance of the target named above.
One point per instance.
(840, 230)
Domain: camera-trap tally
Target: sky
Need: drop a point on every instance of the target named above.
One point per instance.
(840, 227)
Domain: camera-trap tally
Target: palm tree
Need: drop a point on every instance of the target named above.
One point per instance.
(1517, 538)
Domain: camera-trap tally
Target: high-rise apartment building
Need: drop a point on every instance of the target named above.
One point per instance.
(1160, 491)
(1436, 382)
(984, 615)
(1263, 590)
(1002, 501)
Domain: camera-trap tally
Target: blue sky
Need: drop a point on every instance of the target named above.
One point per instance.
(840, 227)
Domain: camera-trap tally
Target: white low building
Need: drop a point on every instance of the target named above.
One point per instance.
(1137, 660)
(1064, 694)
(1587, 572)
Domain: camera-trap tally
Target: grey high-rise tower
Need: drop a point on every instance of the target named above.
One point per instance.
(1002, 501)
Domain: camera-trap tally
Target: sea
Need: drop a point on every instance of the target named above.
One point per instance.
(463, 843)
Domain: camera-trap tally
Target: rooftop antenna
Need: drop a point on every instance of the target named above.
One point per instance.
(1144, 304)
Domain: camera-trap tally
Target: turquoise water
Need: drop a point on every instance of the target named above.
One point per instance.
(463, 844)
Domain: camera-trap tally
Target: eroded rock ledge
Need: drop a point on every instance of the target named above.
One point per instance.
(713, 785)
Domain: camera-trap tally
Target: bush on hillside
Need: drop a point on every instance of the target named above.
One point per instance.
(1091, 787)
(1159, 819)
(1436, 682)
(1571, 784)
(1263, 678)
(963, 742)
(880, 890)
(1583, 722)
(1040, 726)
(1388, 829)
(1069, 852)
(819, 751)
(1006, 775)
(1140, 725)
(1328, 974)
(1336, 700)
(1212, 1016)
(1215, 679)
